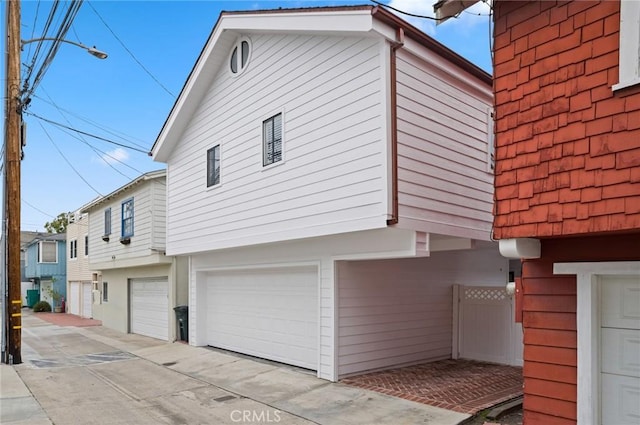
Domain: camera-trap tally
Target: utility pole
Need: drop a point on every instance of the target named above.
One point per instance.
(13, 147)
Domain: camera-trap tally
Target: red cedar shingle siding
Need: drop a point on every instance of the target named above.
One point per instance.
(568, 148)
(549, 322)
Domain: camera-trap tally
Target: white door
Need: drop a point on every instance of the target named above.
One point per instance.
(74, 298)
(620, 348)
(268, 313)
(87, 299)
(150, 307)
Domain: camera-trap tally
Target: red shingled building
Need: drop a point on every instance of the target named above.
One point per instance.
(567, 200)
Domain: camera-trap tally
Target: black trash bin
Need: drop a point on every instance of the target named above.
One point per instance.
(182, 315)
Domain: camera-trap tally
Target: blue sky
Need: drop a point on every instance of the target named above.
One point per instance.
(127, 97)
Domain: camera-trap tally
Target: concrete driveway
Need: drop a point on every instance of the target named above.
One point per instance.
(92, 375)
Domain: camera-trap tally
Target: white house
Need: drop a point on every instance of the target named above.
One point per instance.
(81, 281)
(329, 175)
(139, 284)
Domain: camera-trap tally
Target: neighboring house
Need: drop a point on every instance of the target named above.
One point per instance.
(139, 284)
(46, 264)
(567, 91)
(330, 179)
(25, 284)
(81, 281)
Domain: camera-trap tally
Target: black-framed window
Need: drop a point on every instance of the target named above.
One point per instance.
(127, 218)
(73, 249)
(213, 166)
(107, 221)
(105, 291)
(272, 140)
(86, 245)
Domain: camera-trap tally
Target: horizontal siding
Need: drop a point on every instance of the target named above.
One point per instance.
(443, 183)
(78, 268)
(159, 213)
(329, 91)
(395, 312)
(550, 338)
(140, 245)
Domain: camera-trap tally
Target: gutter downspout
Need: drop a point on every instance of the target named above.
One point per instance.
(394, 126)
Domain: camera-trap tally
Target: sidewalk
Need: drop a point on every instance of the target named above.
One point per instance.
(93, 375)
(17, 404)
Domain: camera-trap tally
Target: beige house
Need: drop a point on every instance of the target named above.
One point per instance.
(81, 281)
(138, 285)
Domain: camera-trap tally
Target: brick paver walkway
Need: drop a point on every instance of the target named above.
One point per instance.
(463, 386)
(65, 319)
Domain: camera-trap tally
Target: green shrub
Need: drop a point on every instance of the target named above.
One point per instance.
(41, 306)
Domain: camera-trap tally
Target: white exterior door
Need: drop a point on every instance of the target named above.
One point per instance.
(87, 299)
(268, 313)
(620, 348)
(74, 298)
(150, 307)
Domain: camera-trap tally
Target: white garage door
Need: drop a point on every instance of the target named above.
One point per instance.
(74, 298)
(620, 345)
(87, 300)
(150, 307)
(267, 313)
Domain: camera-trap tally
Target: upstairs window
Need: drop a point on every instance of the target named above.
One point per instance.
(107, 222)
(213, 166)
(629, 51)
(47, 252)
(73, 249)
(86, 245)
(272, 140)
(127, 218)
(240, 56)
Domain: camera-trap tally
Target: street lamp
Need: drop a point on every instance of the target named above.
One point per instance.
(91, 50)
(12, 303)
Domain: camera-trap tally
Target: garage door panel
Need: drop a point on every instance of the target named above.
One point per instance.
(620, 397)
(621, 351)
(87, 300)
(269, 313)
(150, 307)
(621, 303)
(74, 298)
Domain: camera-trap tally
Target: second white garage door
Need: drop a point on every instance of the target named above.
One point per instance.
(74, 298)
(269, 313)
(87, 299)
(150, 307)
(620, 345)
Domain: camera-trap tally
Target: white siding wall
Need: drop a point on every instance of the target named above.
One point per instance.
(444, 186)
(148, 218)
(395, 312)
(78, 268)
(332, 178)
(323, 251)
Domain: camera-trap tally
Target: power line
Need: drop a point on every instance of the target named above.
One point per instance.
(67, 20)
(409, 13)
(68, 162)
(130, 53)
(126, 137)
(88, 134)
(37, 209)
(95, 150)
